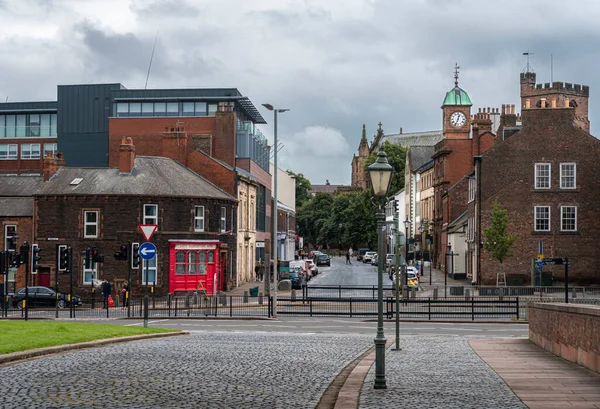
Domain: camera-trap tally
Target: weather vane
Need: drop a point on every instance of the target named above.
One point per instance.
(456, 68)
(528, 68)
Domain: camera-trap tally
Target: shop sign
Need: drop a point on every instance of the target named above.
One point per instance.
(195, 246)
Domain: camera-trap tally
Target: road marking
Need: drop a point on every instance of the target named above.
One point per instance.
(141, 323)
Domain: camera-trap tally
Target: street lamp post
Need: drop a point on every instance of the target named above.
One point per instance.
(274, 239)
(407, 224)
(380, 173)
(421, 246)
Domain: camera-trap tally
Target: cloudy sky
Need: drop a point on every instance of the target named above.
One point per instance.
(336, 64)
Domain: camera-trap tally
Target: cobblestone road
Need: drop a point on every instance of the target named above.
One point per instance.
(437, 372)
(201, 370)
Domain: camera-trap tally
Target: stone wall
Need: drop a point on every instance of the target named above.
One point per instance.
(567, 330)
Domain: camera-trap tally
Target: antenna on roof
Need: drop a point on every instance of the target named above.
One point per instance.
(6, 99)
(151, 58)
(528, 68)
(551, 69)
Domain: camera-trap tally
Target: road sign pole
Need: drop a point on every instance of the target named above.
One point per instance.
(146, 263)
(566, 280)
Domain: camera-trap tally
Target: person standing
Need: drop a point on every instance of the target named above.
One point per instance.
(348, 258)
(125, 295)
(261, 271)
(257, 270)
(106, 290)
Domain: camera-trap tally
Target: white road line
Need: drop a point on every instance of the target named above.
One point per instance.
(141, 323)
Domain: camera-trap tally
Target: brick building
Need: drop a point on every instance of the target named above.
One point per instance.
(545, 176)
(102, 207)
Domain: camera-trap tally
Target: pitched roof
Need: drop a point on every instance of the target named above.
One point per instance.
(428, 138)
(419, 156)
(20, 185)
(150, 176)
(16, 206)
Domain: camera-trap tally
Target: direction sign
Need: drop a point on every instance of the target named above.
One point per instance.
(147, 230)
(147, 251)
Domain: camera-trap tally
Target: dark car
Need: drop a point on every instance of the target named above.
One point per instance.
(360, 254)
(323, 260)
(43, 297)
(296, 278)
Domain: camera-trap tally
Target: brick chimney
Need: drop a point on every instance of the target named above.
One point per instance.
(126, 155)
(52, 163)
(175, 143)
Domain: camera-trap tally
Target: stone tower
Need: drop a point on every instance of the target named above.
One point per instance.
(359, 175)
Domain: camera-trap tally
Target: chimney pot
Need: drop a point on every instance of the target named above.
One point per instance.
(126, 155)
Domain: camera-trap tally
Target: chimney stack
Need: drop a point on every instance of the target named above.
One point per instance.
(126, 155)
(52, 163)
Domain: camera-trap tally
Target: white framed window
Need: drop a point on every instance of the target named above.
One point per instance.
(8, 151)
(568, 218)
(542, 176)
(223, 219)
(30, 151)
(10, 230)
(90, 224)
(568, 176)
(49, 148)
(150, 272)
(199, 218)
(542, 218)
(150, 214)
(89, 274)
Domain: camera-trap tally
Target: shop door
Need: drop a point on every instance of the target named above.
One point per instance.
(44, 279)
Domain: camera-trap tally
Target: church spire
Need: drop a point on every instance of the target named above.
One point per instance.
(364, 133)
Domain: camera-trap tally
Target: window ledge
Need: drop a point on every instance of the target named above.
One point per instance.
(556, 190)
(541, 233)
(570, 233)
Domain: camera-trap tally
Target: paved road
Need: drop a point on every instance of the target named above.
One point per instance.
(341, 274)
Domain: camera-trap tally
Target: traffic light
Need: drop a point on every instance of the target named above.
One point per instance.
(15, 259)
(4, 262)
(88, 258)
(35, 258)
(135, 255)
(63, 258)
(123, 253)
(396, 206)
(96, 257)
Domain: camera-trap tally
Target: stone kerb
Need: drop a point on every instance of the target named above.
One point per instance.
(569, 331)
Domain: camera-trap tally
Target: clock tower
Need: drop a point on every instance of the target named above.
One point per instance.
(456, 111)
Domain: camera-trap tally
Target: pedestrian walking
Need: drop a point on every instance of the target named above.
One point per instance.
(106, 290)
(125, 295)
(257, 271)
(348, 258)
(261, 271)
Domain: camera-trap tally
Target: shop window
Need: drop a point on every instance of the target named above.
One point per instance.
(180, 262)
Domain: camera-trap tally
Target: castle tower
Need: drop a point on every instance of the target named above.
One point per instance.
(542, 95)
(359, 175)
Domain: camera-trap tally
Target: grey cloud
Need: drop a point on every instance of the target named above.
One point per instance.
(164, 8)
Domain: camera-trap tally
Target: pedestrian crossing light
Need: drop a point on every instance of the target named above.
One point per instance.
(35, 258)
(63, 258)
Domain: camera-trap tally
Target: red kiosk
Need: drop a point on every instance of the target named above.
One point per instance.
(196, 265)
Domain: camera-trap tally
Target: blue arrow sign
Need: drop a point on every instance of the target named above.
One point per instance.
(147, 251)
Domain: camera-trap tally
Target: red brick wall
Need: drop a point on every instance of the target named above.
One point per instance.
(507, 176)
(213, 171)
(24, 166)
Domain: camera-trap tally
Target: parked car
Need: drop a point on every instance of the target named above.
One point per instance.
(392, 270)
(375, 259)
(368, 256)
(296, 279)
(314, 254)
(43, 297)
(412, 279)
(323, 260)
(302, 267)
(389, 260)
(360, 254)
(312, 267)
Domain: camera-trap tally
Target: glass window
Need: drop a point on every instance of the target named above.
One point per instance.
(199, 218)
(192, 262)
(188, 109)
(172, 108)
(49, 148)
(135, 109)
(147, 109)
(223, 219)
(542, 218)
(2, 126)
(122, 109)
(34, 125)
(89, 274)
(202, 262)
(160, 109)
(567, 176)
(45, 125)
(542, 176)
(151, 214)
(10, 126)
(53, 124)
(10, 230)
(8, 151)
(180, 262)
(211, 256)
(212, 108)
(90, 228)
(200, 109)
(21, 126)
(151, 272)
(30, 151)
(568, 218)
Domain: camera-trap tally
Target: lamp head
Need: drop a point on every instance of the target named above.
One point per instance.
(380, 173)
(268, 106)
(407, 223)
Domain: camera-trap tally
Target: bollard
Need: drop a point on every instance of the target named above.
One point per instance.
(413, 292)
(467, 294)
(245, 297)
(260, 298)
(574, 294)
(501, 294)
(293, 295)
(435, 293)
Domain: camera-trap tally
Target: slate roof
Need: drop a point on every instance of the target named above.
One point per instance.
(20, 185)
(16, 206)
(150, 176)
(428, 138)
(419, 156)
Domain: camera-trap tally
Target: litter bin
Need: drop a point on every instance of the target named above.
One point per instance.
(459, 290)
(254, 292)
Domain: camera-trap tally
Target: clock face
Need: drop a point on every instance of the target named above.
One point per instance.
(458, 119)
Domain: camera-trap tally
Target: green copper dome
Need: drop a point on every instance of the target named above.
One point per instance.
(457, 96)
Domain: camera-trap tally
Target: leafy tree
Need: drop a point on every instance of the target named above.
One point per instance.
(303, 188)
(497, 240)
(396, 156)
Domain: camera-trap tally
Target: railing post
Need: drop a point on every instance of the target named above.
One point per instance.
(176, 306)
(339, 291)
(310, 306)
(350, 307)
(429, 299)
(517, 308)
(473, 309)
(231, 306)
(169, 304)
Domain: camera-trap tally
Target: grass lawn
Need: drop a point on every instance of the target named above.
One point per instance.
(23, 335)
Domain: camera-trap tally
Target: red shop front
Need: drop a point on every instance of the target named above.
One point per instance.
(196, 265)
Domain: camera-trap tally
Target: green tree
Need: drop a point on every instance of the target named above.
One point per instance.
(396, 156)
(497, 240)
(303, 188)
